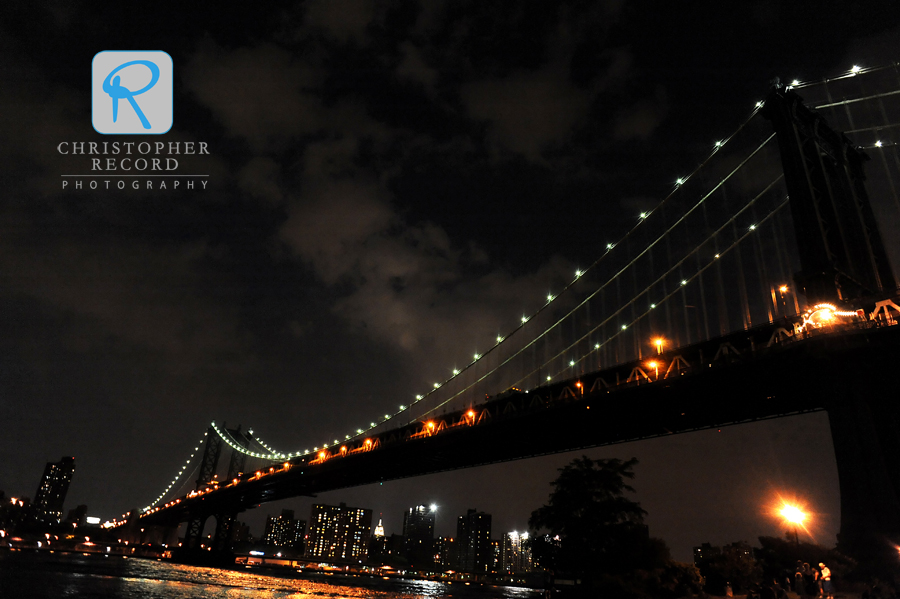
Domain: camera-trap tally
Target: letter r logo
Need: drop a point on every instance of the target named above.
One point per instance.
(131, 92)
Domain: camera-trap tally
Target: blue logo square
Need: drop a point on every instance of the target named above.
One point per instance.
(131, 92)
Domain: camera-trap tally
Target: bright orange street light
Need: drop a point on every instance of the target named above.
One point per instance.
(655, 366)
(659, 342)
(795, 517)
(793, 514)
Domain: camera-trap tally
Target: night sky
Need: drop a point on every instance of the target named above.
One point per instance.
(388, 181)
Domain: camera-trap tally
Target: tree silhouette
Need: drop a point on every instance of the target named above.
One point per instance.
(600, 532)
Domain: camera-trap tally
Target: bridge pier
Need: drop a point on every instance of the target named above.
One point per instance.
(193, 535)
(865, 429)
(218, 552)
(221, 542)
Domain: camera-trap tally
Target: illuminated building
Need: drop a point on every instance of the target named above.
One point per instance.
(338, 533)
(495, 556)
(284, 530)
(378, 546)
(54, 485)
(446, 554)
(418, 532)
(704, 553)
(473, 536)
(515, 556)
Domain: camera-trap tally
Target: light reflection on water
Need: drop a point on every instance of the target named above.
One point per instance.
(49, 576)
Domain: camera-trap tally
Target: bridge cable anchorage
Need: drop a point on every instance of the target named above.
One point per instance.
(177, 476)
(615, 276)
(677, 290)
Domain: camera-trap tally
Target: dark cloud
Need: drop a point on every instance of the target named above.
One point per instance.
(403, 284)
(527, 111)
(414, 67)
(147, 296)
(343, 20)
(260, 178)
(261, 94)
(641, 120)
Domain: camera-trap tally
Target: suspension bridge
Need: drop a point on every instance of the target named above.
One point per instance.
(760, 286)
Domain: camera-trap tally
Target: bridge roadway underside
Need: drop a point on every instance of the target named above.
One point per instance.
(852, 375)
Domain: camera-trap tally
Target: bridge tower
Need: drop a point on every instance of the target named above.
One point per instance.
(843, 260)
(841, 251)
(225, 521)
(208, 466)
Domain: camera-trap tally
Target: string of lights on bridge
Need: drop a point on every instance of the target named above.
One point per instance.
(855, 70)
(717, 145)
(852, 72)
(684, 282)
(273, 455)
(177, 476)
(263, 445)
(617, 274)
(276, 455)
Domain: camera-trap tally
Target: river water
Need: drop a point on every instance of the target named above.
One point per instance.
(31, 575)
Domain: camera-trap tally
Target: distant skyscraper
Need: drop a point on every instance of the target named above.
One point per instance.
(496, 556)
(446, 554)
(77, 516)
(240, 533)
(378, 544)
(54, 485)
(284, 531)
(338, 533)
(418, 531)
(473, 537)
(516, 556)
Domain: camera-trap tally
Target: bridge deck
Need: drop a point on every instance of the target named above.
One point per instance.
(751, 375)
